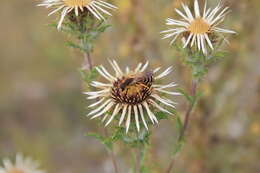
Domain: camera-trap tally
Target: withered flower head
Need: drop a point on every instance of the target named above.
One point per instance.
(197, 29)
(95, 7)
(133, 95)
(21, 165)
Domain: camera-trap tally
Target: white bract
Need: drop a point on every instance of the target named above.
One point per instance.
(21, 165)
(95, 7)
(196, 28)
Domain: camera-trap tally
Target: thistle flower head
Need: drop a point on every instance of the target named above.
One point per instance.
(196, 29)
(95, 7)
(132, 95)
(21, 165)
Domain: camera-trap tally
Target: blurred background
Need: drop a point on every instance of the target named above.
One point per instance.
(42, 108)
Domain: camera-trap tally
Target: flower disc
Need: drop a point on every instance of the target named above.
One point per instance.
(132, 89)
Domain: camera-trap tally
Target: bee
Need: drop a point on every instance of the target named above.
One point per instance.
(144, 79)
(126, 83)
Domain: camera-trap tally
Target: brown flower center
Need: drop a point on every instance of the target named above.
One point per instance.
(132, 89)
(76, 3)
(15, 170)
(199, 26)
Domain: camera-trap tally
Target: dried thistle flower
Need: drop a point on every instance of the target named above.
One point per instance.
(21, 165)
(131, 94)
(95, 7)
(197, 29)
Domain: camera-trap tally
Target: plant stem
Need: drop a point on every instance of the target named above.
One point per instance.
(87, 62)
(112, 154)
(186, 121)
(170, 166)
(188, 112)
(140, 151)
(138, 160)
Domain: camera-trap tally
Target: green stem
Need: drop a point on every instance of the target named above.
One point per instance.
(87, 62)
(186, 121)
(140, 157)
(113, 158)
(112, 154)
(138, 161)
(188, 112)
(140, 154)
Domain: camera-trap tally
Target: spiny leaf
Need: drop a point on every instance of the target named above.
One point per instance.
(53, 25)
(197, 97)
(88, 76)
(73, 45)
(179, 123)
(186, 95)
(105, 141)
(95, 135)
(161, 115)
(177, 147)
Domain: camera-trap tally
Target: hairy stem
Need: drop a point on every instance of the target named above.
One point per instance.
(170, 166)
(188, 112)
(113, 158)
(186, 121)
(112, 154)
(87, 62)
(138, 160)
